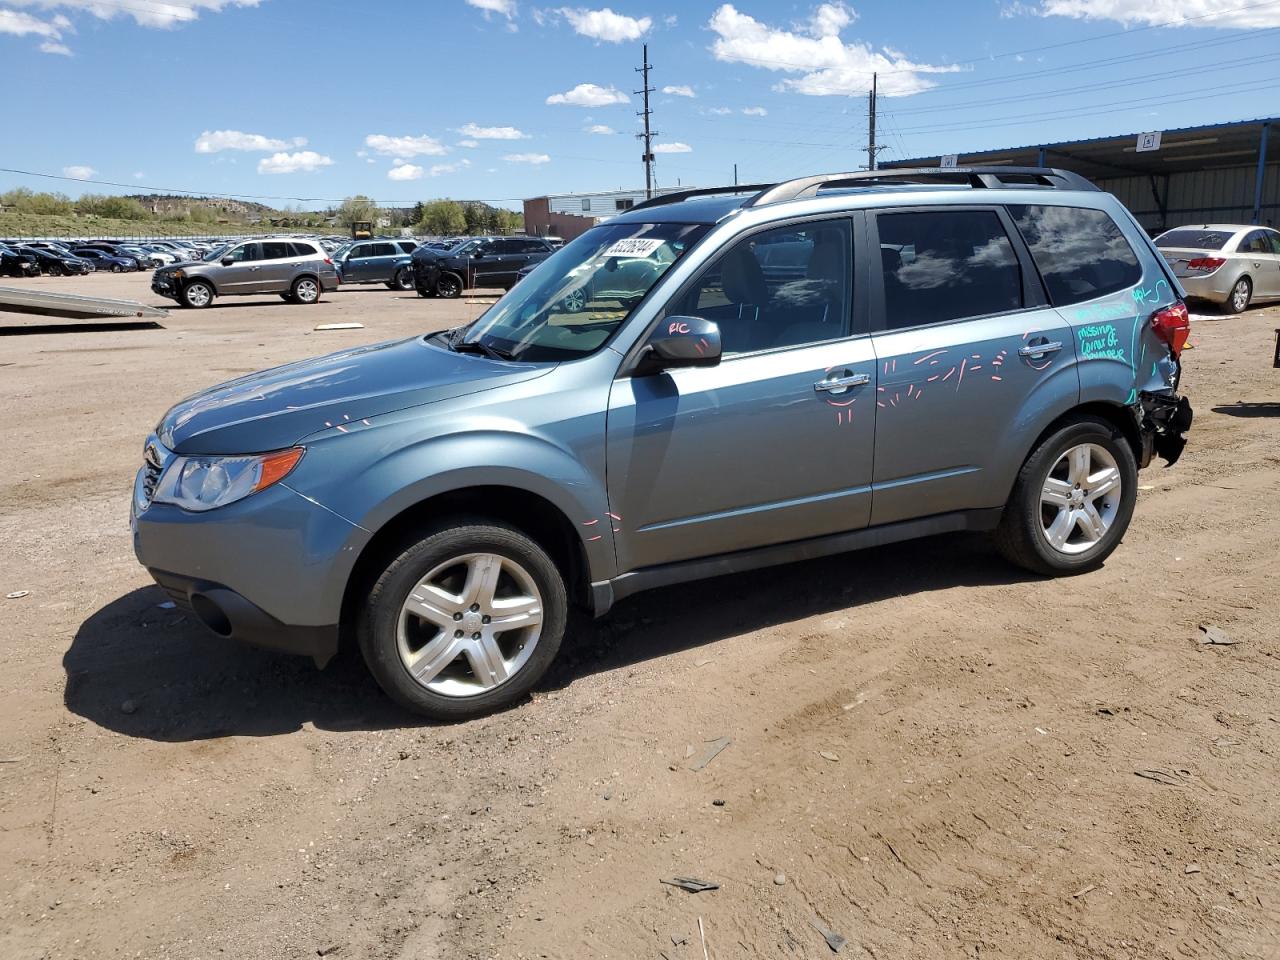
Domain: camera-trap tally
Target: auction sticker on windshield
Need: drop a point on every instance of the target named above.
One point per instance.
(635, 247)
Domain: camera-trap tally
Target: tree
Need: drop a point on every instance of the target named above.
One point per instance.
(354, 209)
(443, 218)
(116, 208)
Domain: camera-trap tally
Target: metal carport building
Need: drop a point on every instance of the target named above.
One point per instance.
(1223, 173)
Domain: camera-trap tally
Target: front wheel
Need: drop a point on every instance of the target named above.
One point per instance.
(403, 280)
(1072, 501)
(449, 286)
(305, 290)
(1241, 294)
(197, 294)
(116, 268)
(465, 621)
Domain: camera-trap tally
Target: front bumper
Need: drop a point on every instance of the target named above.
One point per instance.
(164, 286)
(270, 570)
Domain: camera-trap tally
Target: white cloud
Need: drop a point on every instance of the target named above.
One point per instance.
(601, 129)
(50, 46)
(78, 171)
(468, 144)
(304, 161)
(19, 24)
(1220, 13)
(827, 66)
(606, 25)
(139, 175)
(404, 170)
(491, 133)
(755, 112)
(679, 91)
(505, 7)
(719, 111)
(405, 147)
(442, 168)
(534, 158)
(676, 147)
(213, 141)
(162, 15)
(589, 95)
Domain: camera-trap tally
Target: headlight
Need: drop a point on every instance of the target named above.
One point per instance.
(203, 483)
(177, 274)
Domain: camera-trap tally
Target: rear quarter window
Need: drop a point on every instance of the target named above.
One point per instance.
(1080, 252)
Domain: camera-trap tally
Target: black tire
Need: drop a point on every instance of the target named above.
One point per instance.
(378, 623)
(197, 294)
(55, 270)
(403, 280)
(1021, 536)
(1240, 297)
(116, 268)
(425, 293)
(449, 286)
(305, 290)
(287, 297)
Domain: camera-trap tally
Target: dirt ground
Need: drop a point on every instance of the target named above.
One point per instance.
(932, 754)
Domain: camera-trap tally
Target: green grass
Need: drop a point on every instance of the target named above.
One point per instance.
(20, 225)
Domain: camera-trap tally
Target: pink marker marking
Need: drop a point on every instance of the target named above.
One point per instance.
(949, 373)
(590, 523)
(910, 387)
(613, 516)
(936, 353)
(933, 378)
(879, 404)
(919, 394)
(997, 378)
(595, 538)
(961, 377)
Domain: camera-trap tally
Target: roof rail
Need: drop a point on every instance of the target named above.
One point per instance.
(978, 177)
(666, 198)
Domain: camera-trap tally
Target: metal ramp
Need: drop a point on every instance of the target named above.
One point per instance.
(70, 306)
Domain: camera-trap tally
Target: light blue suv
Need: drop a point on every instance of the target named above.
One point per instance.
(809, 367)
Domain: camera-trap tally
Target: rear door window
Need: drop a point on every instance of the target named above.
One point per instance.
(382, 250)
(943, 265)
(1080, 252)
(275, 250)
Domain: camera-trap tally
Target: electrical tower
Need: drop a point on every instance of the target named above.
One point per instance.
(648, 134)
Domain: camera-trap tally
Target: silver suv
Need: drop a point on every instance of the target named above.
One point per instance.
(803, 368)
(298, 270)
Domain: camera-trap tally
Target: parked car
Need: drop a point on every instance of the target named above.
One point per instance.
(136, 261)
(62, 250)
(376, 261)
(295, 269)
(989, 354)
(489, 262)
(14, 263)
(53, 264)
(162, 255)
(146, 259)
(1225, 264)
(106, 261)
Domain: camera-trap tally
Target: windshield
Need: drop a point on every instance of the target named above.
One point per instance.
(1199, 239)
(216, 253)
(574, 300)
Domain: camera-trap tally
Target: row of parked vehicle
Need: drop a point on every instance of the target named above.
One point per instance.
(63, 258)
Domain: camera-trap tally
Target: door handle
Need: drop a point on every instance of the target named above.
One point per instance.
(1035, 350)
(842, 383)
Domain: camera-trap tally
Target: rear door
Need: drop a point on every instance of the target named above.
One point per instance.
(970, 355)
(1260, 263)
(277, 270)
(382, 262)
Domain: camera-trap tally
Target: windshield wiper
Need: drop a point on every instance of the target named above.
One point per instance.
(477, 346)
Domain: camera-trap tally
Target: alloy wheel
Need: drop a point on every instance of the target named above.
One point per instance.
(306, 291)
(198, 295)
(1080, 498)
(470, 624)
(1240, 296)
(575, 301)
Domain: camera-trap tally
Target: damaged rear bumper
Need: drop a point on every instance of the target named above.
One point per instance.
(1166, 418)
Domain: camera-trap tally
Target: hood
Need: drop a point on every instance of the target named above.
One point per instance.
(279, 407)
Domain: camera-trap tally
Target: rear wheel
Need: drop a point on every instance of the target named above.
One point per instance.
(1072, 501)
(1241, 294)
(305, 290)
(197, 294)
(465, 621)
(116, 268)
(449, 286)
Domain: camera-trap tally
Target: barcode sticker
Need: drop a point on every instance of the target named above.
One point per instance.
(637, 247)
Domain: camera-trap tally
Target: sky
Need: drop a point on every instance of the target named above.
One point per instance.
(402, 100)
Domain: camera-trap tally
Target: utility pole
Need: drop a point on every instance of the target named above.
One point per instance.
(871, 132)
(648, 134)
(735, 174)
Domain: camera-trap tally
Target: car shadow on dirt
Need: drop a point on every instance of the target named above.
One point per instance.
(661, 622)
(1243, 409)
(148, 671)
(144, 670)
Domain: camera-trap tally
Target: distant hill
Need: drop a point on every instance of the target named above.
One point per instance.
(165, 205)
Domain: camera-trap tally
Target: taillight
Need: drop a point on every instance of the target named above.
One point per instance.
(1173, 326)
(328, 261)
(1205, 263)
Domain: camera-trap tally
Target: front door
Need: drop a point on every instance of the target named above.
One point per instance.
(774, 444)
(243, 275)
(968, 347)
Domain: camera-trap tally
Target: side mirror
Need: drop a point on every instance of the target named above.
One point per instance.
(477, 255)
(228, 261)
(681, 342)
